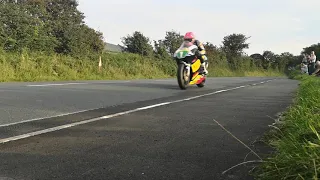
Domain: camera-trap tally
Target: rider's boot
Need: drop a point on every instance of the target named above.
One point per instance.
(204, 69)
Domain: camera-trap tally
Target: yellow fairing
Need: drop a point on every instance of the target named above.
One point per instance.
(196, 65)
(195, 79)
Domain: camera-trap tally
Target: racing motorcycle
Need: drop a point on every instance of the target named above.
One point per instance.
(189, 66)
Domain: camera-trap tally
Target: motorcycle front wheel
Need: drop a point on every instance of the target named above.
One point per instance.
(181, 76)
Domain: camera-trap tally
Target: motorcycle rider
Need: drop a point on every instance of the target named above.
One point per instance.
(190, 37)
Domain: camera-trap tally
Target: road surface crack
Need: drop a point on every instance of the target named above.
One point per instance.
(255, 161)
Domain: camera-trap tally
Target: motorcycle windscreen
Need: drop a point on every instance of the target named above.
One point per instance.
(187, 46)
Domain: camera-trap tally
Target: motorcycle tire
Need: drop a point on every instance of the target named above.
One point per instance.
(180, 76)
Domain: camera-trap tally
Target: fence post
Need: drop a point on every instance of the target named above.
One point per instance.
(100, 63)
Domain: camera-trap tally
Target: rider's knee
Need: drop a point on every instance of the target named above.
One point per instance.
(204, 58)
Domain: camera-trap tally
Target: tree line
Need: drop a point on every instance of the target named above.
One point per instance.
(57, 26)
(231, 50)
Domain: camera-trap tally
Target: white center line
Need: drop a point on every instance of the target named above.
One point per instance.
(47, 117)
(65, 84)
(27, 135)
(44, 85)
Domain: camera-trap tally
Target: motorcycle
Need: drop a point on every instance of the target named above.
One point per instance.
(189, 67)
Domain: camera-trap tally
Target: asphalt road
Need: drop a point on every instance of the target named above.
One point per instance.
(140, 129)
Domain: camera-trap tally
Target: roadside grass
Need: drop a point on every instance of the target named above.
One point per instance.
(115, 66)
(297, 141)
(227, 72)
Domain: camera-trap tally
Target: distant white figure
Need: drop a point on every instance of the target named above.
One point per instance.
(313, 57)
(304, 69)
(304, 65)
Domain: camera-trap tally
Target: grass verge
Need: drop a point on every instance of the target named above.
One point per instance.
(297, 141)
(42, 67)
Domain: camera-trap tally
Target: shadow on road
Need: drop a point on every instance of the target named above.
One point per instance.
(158, 86)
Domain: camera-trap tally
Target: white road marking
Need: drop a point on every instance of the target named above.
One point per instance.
(164, 80)
(47, 117)
(153, 106)
(65, 84)
(27, 135)
(44, 85)
(110, 82)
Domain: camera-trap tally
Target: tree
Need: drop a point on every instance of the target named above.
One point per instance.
(258, 59)
(64, 19)
(47, 25)
(234, 44)
(172, 41)
(294, 61)
(84, 40)
(269, 59)
(284, 60)
(210, 48)
(20, 29)
(160, 50)
(215, 54)
(137, 43)
(257, 56)
(269, 56)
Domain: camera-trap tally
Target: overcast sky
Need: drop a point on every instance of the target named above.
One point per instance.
(276, 25)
